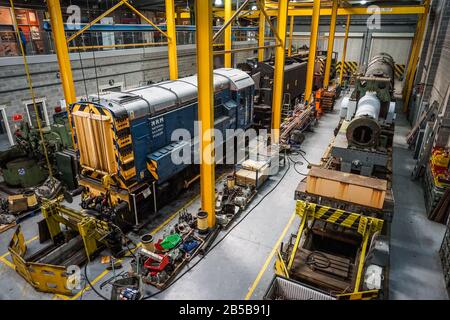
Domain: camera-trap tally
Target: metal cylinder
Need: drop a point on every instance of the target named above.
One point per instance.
(369, 106)
(147, 242)
(202, 222)
(364, 130)
(381, 65)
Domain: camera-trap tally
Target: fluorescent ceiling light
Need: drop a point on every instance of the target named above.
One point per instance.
(218, 3)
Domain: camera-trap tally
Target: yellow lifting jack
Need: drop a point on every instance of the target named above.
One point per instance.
(317, 223)
(47, 269)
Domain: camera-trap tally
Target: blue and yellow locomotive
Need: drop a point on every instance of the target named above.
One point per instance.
(124, 140)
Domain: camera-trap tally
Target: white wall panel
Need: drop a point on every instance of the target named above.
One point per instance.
(397, 46)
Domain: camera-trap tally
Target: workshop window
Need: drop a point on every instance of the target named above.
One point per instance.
(42, 111)
(6, 139)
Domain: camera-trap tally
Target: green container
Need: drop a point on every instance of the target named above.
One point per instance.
(171, 241)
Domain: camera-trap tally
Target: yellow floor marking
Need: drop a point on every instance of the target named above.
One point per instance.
(6, 262)
(82, 291)
(105, 272)
(26, 242)
(269, 258)
(153, 232)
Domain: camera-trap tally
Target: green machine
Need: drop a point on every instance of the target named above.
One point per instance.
(24, 164)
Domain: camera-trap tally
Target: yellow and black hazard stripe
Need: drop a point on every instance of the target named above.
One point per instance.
(322, 63)
(354, 221)
(124, 152)
(363, 295)
(350, 67)
(152, 167)
(399, 70)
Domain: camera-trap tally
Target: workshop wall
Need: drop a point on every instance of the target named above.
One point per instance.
(124, 68)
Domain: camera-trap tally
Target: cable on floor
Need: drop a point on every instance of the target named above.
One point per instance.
(222, 238)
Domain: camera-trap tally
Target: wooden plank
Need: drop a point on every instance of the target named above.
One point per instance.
(337, 266)
(5, 227)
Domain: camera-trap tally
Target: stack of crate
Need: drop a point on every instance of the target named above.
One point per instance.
(327, 101)
(433, 193)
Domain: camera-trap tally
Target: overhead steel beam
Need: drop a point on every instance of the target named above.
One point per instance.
(230, 20)
(203, 15)
(384, 10)
(108, 12)
(343, 11)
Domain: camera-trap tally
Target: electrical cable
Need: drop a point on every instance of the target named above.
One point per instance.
(215, 244)
(91, 285)
(221, 239)
(83, 75)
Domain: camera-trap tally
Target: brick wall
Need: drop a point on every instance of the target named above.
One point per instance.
(131, 67)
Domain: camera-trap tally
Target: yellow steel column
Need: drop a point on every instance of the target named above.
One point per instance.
(312, 50)
(278, 79)
(62, 53)
(227, 17)
(291, 31)
(172, 39)
(261, 35)
(203, 18)
(412, 64)
(326, 79)
(344, 51)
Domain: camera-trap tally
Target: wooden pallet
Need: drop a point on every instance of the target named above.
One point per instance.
(336, 277)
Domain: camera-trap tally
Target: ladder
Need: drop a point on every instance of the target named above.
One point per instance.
(286, 110)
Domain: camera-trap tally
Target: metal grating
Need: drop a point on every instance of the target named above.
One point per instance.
(286, 289)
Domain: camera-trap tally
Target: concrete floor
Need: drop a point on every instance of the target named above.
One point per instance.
(241, 266)
(416, 271)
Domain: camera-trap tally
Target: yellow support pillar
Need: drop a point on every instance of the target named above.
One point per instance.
(332, 31)
(278, 79)
(203, 20)
(312, 50)
(62, 53)
(228, 30)
(414, 57)
(172, 39)
(291, 34)
(261, 34)
(344, 51)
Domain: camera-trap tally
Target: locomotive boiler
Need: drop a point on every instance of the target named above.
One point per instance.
(366, 132)
(125, 146)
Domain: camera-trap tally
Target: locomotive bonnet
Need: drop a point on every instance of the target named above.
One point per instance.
(124, 139)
